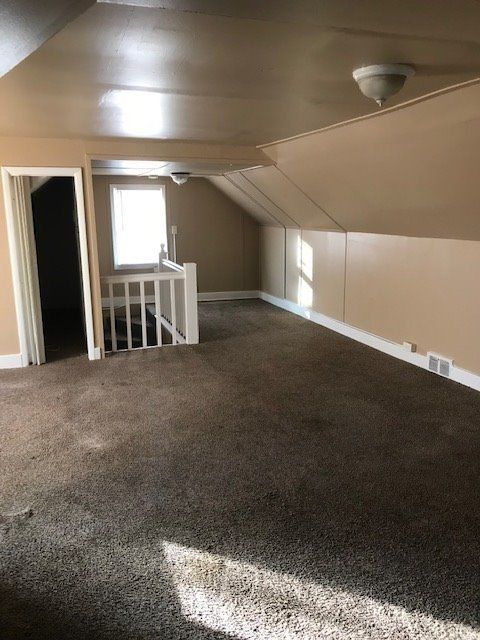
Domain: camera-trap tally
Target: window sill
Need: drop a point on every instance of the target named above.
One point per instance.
(134, 267)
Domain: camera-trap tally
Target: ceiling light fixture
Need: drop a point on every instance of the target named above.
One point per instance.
(180, 177)
(380, 81)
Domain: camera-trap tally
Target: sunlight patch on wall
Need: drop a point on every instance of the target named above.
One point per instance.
(247, 602)
(305, 279)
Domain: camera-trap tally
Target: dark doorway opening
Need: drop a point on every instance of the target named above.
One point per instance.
(56, 240)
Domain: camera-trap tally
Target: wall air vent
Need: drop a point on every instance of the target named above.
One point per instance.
(444, 367)
(440, 365)
(433, 363)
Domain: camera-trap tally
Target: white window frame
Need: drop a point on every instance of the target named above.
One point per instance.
(135, 187)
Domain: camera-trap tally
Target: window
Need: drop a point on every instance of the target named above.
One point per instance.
(139, 225)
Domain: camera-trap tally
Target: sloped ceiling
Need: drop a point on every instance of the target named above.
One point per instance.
(451, 19)
(411, 171)
(240, 180)
(244, 200)
(230, 72)
(290, 199)
(273, 199)
(414, 171)
(26, 24)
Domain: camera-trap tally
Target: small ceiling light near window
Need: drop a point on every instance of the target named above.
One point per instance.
(380, 81)
(180, 177)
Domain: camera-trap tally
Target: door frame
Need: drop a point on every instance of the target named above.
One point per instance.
(8, 173)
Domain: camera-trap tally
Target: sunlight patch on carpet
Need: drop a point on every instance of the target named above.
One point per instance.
(247, 602)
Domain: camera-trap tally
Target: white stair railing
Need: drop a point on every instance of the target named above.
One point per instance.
(170, 297)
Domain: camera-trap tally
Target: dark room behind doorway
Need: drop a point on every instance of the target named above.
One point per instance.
(56, 239)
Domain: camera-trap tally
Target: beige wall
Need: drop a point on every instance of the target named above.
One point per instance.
(323, 271)
(420, 290)
(213, 231)
(417, 289)
(293, 264)
(43, 152)
(9, 342)
(272, 260)
(315, 270)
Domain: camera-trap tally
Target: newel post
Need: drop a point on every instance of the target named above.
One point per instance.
(191, 303)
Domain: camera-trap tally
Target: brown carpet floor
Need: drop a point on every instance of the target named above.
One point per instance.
(277, 481)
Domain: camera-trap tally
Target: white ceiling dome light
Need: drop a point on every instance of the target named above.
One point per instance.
(180, 177)
(380, 81)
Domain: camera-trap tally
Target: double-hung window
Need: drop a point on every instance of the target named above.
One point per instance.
(139, 225)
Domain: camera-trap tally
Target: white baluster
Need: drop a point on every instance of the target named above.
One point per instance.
(173, 312)
(158, 312)
(128, 315)
(143, 314)
(113, 329)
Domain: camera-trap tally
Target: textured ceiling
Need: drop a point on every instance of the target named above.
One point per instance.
(230, 72)
(444, 19)
(26, 24)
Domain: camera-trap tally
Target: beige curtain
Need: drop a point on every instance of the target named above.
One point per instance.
(29, 270)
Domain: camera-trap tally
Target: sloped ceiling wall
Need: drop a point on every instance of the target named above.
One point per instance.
(413, 171)
(299, 207)
(26, 24)
(245, 183)
(235, 71)
(244, 200)
(274, 200)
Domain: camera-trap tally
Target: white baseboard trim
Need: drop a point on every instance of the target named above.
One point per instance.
(227, 295)
(12, 361)
(97, 354)
(208, 296)
(461, 376)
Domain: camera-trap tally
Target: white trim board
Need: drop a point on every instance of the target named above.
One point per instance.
(15, 255)
(168, 326)
(461, 376)
(209, 296)
(119, 301)
(12, 361)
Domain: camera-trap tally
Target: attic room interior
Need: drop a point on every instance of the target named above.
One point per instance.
(239, 364)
